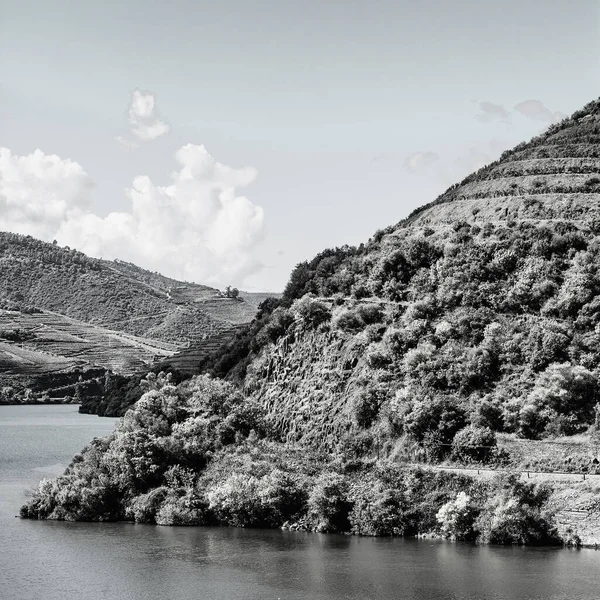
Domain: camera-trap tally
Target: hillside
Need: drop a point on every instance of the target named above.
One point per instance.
(45, 356)
(482, 307)
(124, 390)
(65, 316)
(117, 295)
(476, 319)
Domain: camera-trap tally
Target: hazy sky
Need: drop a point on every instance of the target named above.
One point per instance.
(335, 117)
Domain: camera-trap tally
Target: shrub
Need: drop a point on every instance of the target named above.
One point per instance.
(562, 402)
(349, 321)
(187, 508)
(328, 505)
(365, 406)
(310, 312)
(457, 518)
(378, 356)
(513, 514)
(370, 313)
(245, 500)
(143, 508)
(377, 510)
(488, 413)
(474, 444)
(441, 416)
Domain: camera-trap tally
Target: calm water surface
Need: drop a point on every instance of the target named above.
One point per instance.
(89, 561)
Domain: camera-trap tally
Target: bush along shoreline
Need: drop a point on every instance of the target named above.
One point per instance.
(200, 453)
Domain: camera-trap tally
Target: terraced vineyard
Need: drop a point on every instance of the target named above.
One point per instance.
(187, 361)
(54, 342)
(113, 294)
(66, 316)
(554, 176)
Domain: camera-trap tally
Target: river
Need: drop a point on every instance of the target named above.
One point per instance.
(121, 561)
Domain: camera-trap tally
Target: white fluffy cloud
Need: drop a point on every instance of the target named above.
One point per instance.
(39, 192)
(143, 121)
(197, 228)
(142, 117)
(535, 109)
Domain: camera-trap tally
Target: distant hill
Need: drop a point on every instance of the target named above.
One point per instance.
(62, 311)
(116, 294)
(45, 356)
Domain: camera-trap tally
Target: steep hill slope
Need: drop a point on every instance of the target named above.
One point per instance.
(46, 356)
(482, 308)
(554, 176)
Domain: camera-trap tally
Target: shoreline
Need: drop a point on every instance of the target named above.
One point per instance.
(36, 403)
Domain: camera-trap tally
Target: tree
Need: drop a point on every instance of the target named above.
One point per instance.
(231, 292)
(562, 401)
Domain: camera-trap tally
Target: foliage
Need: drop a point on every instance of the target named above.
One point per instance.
(311, 312)
(328, 505)
(434, 421)
(457, 518)
(515, 514)
(474, 444)
(244, 500)
(562, 402)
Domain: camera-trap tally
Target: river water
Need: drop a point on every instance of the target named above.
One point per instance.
(121, 561)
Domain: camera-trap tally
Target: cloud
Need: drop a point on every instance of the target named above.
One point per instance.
(126, 143)
(142, 118)
(418, 161)
(196, 228)
(492, 112)
(38, 192)
(535, 109)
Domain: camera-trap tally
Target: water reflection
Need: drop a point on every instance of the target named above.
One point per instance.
(93, 561)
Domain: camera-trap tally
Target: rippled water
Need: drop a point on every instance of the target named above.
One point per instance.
(90, 561)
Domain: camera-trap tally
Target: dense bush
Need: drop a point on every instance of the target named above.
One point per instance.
(328, 505)
(169, 426)
(377, 510)
(311, 312)
(474, 444)
(440, 416)
(349, 321)
(562, 402)
(514, 514)
(457, 518)
(244, 500)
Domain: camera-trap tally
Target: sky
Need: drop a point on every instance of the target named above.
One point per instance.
(224, 142)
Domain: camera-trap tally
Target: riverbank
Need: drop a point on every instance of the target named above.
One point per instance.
(36, 402)
(574, 500)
